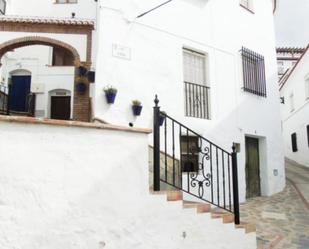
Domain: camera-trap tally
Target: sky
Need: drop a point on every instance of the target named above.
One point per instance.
(292, 23)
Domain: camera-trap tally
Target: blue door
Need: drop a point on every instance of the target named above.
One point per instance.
(19, 91)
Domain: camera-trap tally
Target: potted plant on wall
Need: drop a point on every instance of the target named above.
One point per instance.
(110, 94)
(81, 86)
(137, 107)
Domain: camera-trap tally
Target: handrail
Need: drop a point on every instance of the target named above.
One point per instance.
(206, 171)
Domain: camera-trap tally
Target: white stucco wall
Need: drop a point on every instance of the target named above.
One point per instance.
(297, 120)
(66, 187)
(154, 65)
(83, 8)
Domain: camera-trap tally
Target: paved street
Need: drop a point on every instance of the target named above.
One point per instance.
(283, 219)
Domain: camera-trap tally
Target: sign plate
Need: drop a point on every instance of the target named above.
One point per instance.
(121, 52)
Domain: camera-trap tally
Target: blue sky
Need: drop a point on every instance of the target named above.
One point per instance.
(292, 23)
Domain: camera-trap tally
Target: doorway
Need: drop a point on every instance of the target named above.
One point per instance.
(19, 90)
(60, 107)
(253, 181)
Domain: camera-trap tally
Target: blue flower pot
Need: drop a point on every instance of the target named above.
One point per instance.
(110, 98)
(161, 120)
(81, 87)
(137, 109)
(82, 71)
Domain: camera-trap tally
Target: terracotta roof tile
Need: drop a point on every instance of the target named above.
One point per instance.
(46, 20)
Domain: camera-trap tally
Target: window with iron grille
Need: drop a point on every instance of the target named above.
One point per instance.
(195, 89)
(253, 72)
(189, 146)
(294, 142)
(2, 7)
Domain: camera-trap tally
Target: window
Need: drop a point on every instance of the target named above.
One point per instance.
(280, 67)
(62, 57)
(2, 7)
(292, 104)
(294, 142)
(248, 4)
(253, 72)
(195, 88)
(66, 1)
(189, 153)
(307, 88)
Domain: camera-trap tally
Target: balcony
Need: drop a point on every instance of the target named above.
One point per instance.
(197, 100)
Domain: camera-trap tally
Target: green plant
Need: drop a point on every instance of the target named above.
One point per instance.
(110, 90)
(136, 102)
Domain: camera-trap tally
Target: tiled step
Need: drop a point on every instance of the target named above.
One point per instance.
(216, 213)
(221, 214)
(249, 228)
(200, 207)
(170, 194)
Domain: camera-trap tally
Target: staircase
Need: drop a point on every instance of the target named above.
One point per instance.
(193, 171)
(200, 208)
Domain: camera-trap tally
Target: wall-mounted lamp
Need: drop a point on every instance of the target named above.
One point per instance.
(282, 100)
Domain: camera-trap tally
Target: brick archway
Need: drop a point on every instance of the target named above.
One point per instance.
(38, 40)
(81, 102)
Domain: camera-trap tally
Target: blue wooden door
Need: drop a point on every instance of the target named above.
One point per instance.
(19, 91)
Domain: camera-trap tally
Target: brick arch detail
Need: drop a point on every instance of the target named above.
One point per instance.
(81, 102)
(37, 40)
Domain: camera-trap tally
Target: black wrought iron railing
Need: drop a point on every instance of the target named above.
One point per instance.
(3, 100)
(31, 100)
(193, 164)
(196, 100)
(5, 103)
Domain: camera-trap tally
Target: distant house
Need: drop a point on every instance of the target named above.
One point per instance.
(287, 57)
(294, 92)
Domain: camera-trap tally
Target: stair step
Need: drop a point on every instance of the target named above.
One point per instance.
(225, 216)
(249, 228)
(216, 213)
(200, 207)
(174, 195)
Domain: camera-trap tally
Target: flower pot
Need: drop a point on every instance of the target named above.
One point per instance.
(110, 98)
(81, 87)
(161, 120)
(82, 71)
(137, 109)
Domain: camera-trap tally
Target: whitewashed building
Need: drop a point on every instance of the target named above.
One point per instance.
(197, 42)
(42, 46)
(294, 92)
(287, 57)
(212, 64)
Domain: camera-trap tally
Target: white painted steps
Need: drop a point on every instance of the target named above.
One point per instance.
(208, 227)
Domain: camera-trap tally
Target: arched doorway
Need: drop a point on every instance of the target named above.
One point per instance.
(63, 55)
(19, 90)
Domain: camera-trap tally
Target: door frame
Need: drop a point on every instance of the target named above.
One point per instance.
(69, 106)
(20, 73)
(59, 92)
(259, 164)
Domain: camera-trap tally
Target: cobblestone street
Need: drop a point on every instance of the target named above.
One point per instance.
(282, 220)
